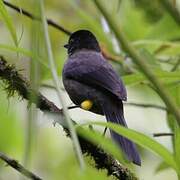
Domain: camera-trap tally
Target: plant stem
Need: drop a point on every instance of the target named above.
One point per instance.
(163, 134)
(60, 95)
(176, 65)
(140, 61)
(172, 10)
(14, 164)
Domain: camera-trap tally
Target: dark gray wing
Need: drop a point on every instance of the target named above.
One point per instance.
(92, 69)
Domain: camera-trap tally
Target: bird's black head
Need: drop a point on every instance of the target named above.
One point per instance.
(82, 39)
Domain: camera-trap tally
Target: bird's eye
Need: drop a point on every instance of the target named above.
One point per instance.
(71, 41)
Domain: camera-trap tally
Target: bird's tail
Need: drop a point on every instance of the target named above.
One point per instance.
(114, 113)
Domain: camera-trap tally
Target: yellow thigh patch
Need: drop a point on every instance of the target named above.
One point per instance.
(87, 104)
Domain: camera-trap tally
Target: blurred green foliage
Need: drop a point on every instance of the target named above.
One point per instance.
(11, 139)
(150, 29)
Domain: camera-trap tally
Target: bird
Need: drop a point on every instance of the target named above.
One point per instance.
(92, 84)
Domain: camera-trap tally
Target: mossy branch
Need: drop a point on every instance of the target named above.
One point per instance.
(15, 83)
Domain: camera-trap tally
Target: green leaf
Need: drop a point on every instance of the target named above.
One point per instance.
(141, 140)
(76, 173)
(164, 76)
(98, 139)
(171, 121)
(16, 49)
(162, 166)
(150, 59)
(132, 21)
(88, 174)
(160, 48)
(8, 21)
(24, 52)
(161, 29)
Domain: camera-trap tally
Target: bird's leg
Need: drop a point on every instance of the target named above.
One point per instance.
(73, 107)
(91, 127)
(104, 131)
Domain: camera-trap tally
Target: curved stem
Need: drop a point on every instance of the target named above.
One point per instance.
(172, 10)
(140, 61)
(60, 95)
(163, 134)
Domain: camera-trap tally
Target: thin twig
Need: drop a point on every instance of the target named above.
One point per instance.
(163, 134)
(134, 104)
(14, 164)
(31, 16)
(146, 105)
(141, 105)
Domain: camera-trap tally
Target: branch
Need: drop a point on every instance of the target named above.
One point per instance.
(147, 106)
(163, 134)
(31, 16)
(14, 82)
(140, 61)
(14, 164)
(134, 104)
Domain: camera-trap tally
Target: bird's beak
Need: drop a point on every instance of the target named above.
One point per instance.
(66, 46)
